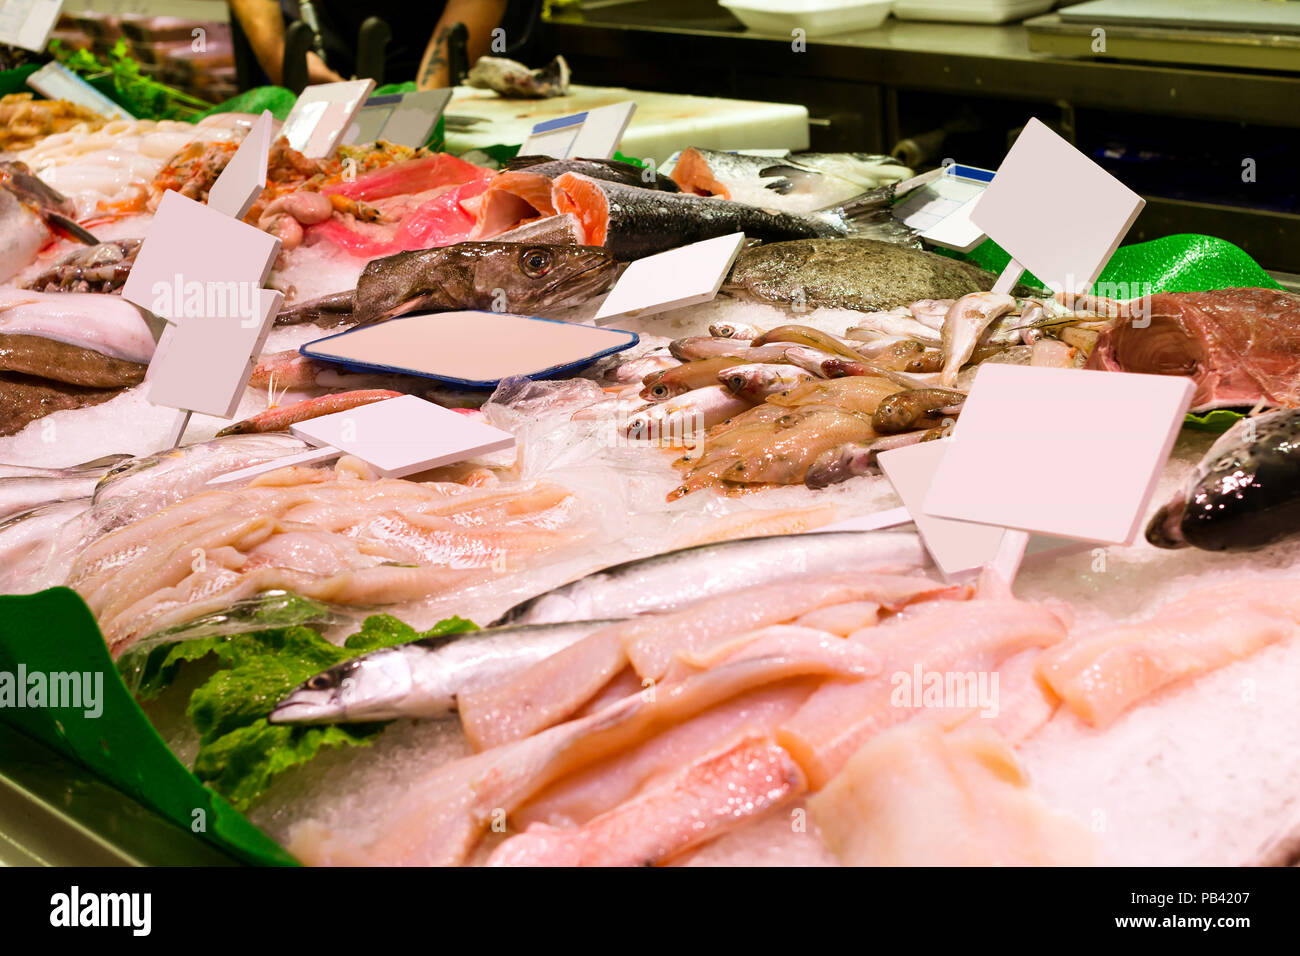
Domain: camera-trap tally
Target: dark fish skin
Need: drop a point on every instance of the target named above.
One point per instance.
(1244, 494)
(610, 170)
(915, 408)
(850, 273)
(62, 362)
(643, 222)
(24, 399)
(490, 276)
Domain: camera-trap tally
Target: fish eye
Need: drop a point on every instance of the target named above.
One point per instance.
(659, 391)
(535, 262)
(325, 681)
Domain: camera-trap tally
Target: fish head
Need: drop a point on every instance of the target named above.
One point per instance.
(367, 688)
(540, 277)
(661, 386)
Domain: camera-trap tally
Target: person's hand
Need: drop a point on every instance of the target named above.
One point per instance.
(318, 72)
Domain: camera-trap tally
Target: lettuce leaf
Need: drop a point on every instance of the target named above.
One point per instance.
(240, 752)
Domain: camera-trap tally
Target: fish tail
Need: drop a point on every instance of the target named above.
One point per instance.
(336, 307)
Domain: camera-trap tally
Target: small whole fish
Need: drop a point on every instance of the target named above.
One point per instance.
(804, 335)
(964, 325)
(423, 678)
(488, 276)
(878, 325)
(637, 369)
(855, 459)
(678, 578)
(512, 80)
(683, 420)
(755, 382)
(734, 330)
(671, 382)
(916, 408)
(705, 346)
(280, 418)
(1244, 493)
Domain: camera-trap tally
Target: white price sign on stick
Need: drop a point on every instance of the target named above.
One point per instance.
(323, 114)
(594, 134)
(1085, 448)
(203, 271)
(397, 436)
(679, 277)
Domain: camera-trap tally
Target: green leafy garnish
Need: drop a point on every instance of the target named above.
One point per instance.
(240, 752)
(139, 94)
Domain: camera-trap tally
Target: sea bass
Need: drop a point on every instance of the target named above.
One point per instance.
(850, 273)
(1244, 494)
(422, 678)
(468, 275)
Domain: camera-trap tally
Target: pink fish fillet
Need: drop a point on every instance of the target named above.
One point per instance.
(410, 176)
(440, 818)
(711, 796)
(555, 688)
(1101, 675)
(955, 641)
(441, 221)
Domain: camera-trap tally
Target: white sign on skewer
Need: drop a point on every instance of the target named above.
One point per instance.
(244, 177)
(27, 23)
(210, 359)
(688, 275)
(956, 546)
(1056, 212)
(940, 210)
(594, 134)
(323, 114)
(397, 436)
(1084, 453)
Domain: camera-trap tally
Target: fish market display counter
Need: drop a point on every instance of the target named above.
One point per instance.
(870, 90)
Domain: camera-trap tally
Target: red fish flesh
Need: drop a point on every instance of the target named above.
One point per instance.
(1241, 346)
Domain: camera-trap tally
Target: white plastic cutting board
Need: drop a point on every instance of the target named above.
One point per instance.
(663, 122)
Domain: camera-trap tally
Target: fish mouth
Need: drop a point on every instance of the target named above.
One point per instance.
(297, 708)
(1165, 528)
(578, 286)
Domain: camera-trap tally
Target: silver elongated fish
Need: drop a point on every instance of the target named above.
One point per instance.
(422, 678)
(23, 487)
(677, 578)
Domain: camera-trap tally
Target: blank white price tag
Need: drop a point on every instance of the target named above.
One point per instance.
(208, 361)
(244, 177)
(594, 134)
(940, 210)
(406, 119)
(1063, 452)
(27, 23)
(323, 114)
(1057, 213)
(673, 279)
(402, 436)
(956, 546)
(197, 261)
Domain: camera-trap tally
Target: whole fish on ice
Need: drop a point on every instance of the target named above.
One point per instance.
(676, 578)
(488, 276)
(422, 678)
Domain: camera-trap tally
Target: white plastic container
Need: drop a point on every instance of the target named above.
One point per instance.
(814, 17)
(970, 11)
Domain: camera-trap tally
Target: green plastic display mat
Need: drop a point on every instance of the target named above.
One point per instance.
(53, 632)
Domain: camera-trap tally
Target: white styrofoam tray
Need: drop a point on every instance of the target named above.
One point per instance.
(970, 11)
(814, 17)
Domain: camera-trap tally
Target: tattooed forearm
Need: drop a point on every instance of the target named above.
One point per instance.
(435, 58)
